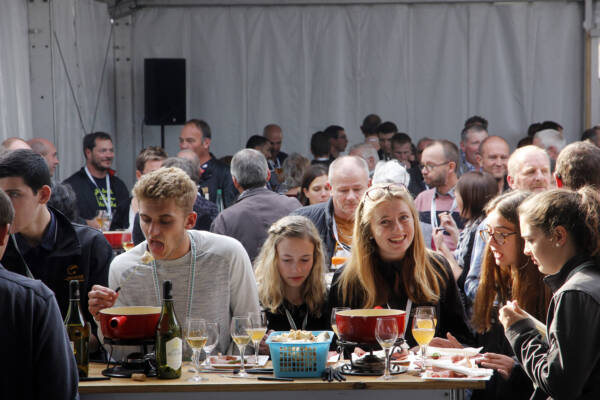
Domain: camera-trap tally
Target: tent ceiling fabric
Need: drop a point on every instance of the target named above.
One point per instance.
(426, 67)
(121, 8)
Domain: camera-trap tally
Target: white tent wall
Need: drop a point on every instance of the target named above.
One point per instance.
(83, 97)
(426, 67)
(51, 84)
(15, 103)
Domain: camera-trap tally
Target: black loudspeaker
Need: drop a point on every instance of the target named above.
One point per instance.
(164, 91)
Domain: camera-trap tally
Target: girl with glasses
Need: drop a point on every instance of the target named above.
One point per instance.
(391, 267)
(506, 274)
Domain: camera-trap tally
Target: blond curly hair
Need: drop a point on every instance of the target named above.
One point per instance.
(167, 183)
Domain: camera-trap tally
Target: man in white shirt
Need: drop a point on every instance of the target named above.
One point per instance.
(211, 274)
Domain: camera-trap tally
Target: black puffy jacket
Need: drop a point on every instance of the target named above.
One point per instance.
(80, 252)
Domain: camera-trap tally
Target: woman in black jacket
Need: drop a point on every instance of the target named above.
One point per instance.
(561, 230)
(506, 274)
(391, 267)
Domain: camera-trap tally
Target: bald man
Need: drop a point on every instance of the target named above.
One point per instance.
(15, 143)
(46, 149)
(529, 169)
(274, 135)
(493, 159)
(334, 219)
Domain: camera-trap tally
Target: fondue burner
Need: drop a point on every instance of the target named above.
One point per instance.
(370, 364)
(143, 363)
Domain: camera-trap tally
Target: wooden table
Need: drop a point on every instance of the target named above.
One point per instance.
(221, 388)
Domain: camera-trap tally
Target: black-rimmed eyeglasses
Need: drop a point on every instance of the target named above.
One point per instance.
(499, 237)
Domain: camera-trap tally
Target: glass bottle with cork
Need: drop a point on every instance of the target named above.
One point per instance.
(169, 338)
(78, 330)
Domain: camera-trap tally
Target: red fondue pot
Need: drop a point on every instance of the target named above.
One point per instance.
(117, 238)
(359, 325)
(129, 322)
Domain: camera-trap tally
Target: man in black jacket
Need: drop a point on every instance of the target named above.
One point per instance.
(41, 364)
(96, 186)
(349, 179)
(196, 136)
(44, 244)
(274, 135)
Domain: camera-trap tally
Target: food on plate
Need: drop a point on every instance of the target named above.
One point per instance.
(457, 367)
(444, 373)
(227, 360)
(436, 356)
(300, 336)
(463, 361)
(400, 358)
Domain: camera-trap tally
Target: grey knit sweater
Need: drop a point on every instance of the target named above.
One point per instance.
(224, 284)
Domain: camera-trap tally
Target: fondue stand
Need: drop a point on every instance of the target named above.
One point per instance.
(370, 364)
(356, 328)
(130, 326)
(136, 363)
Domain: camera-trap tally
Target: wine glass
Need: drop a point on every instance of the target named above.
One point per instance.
(429, 310)
(386, 333)
(196, 335)
(240, 334)
(128, 245)
(103, 220)
(334, 311)
(423, 328)
(258, 320)
(212, 334)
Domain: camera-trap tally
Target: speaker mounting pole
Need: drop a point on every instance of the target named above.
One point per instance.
(162, 136)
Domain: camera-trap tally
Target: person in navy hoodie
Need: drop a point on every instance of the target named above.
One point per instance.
(41, 364)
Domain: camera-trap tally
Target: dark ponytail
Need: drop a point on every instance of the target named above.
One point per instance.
(578, 212)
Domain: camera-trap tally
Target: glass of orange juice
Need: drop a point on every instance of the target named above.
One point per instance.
(423, 328)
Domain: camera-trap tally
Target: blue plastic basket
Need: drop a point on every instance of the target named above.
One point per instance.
(299, 360)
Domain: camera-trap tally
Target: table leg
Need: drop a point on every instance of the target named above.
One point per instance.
(457, 394)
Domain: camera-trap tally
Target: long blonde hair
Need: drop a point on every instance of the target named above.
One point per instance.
(361, 277)
(270, 284)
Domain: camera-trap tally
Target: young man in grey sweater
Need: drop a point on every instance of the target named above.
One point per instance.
(211, 274)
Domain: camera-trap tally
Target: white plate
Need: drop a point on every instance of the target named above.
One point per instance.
(432, 378)
(450, 351)
(470, 372)
(250, 362)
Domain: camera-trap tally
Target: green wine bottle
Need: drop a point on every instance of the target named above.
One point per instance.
(77, 329)
(169, 338)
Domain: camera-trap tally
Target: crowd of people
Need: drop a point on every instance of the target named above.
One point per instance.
(490, 238)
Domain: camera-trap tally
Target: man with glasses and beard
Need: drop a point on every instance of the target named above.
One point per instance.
(96, 186)
(439, 162)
